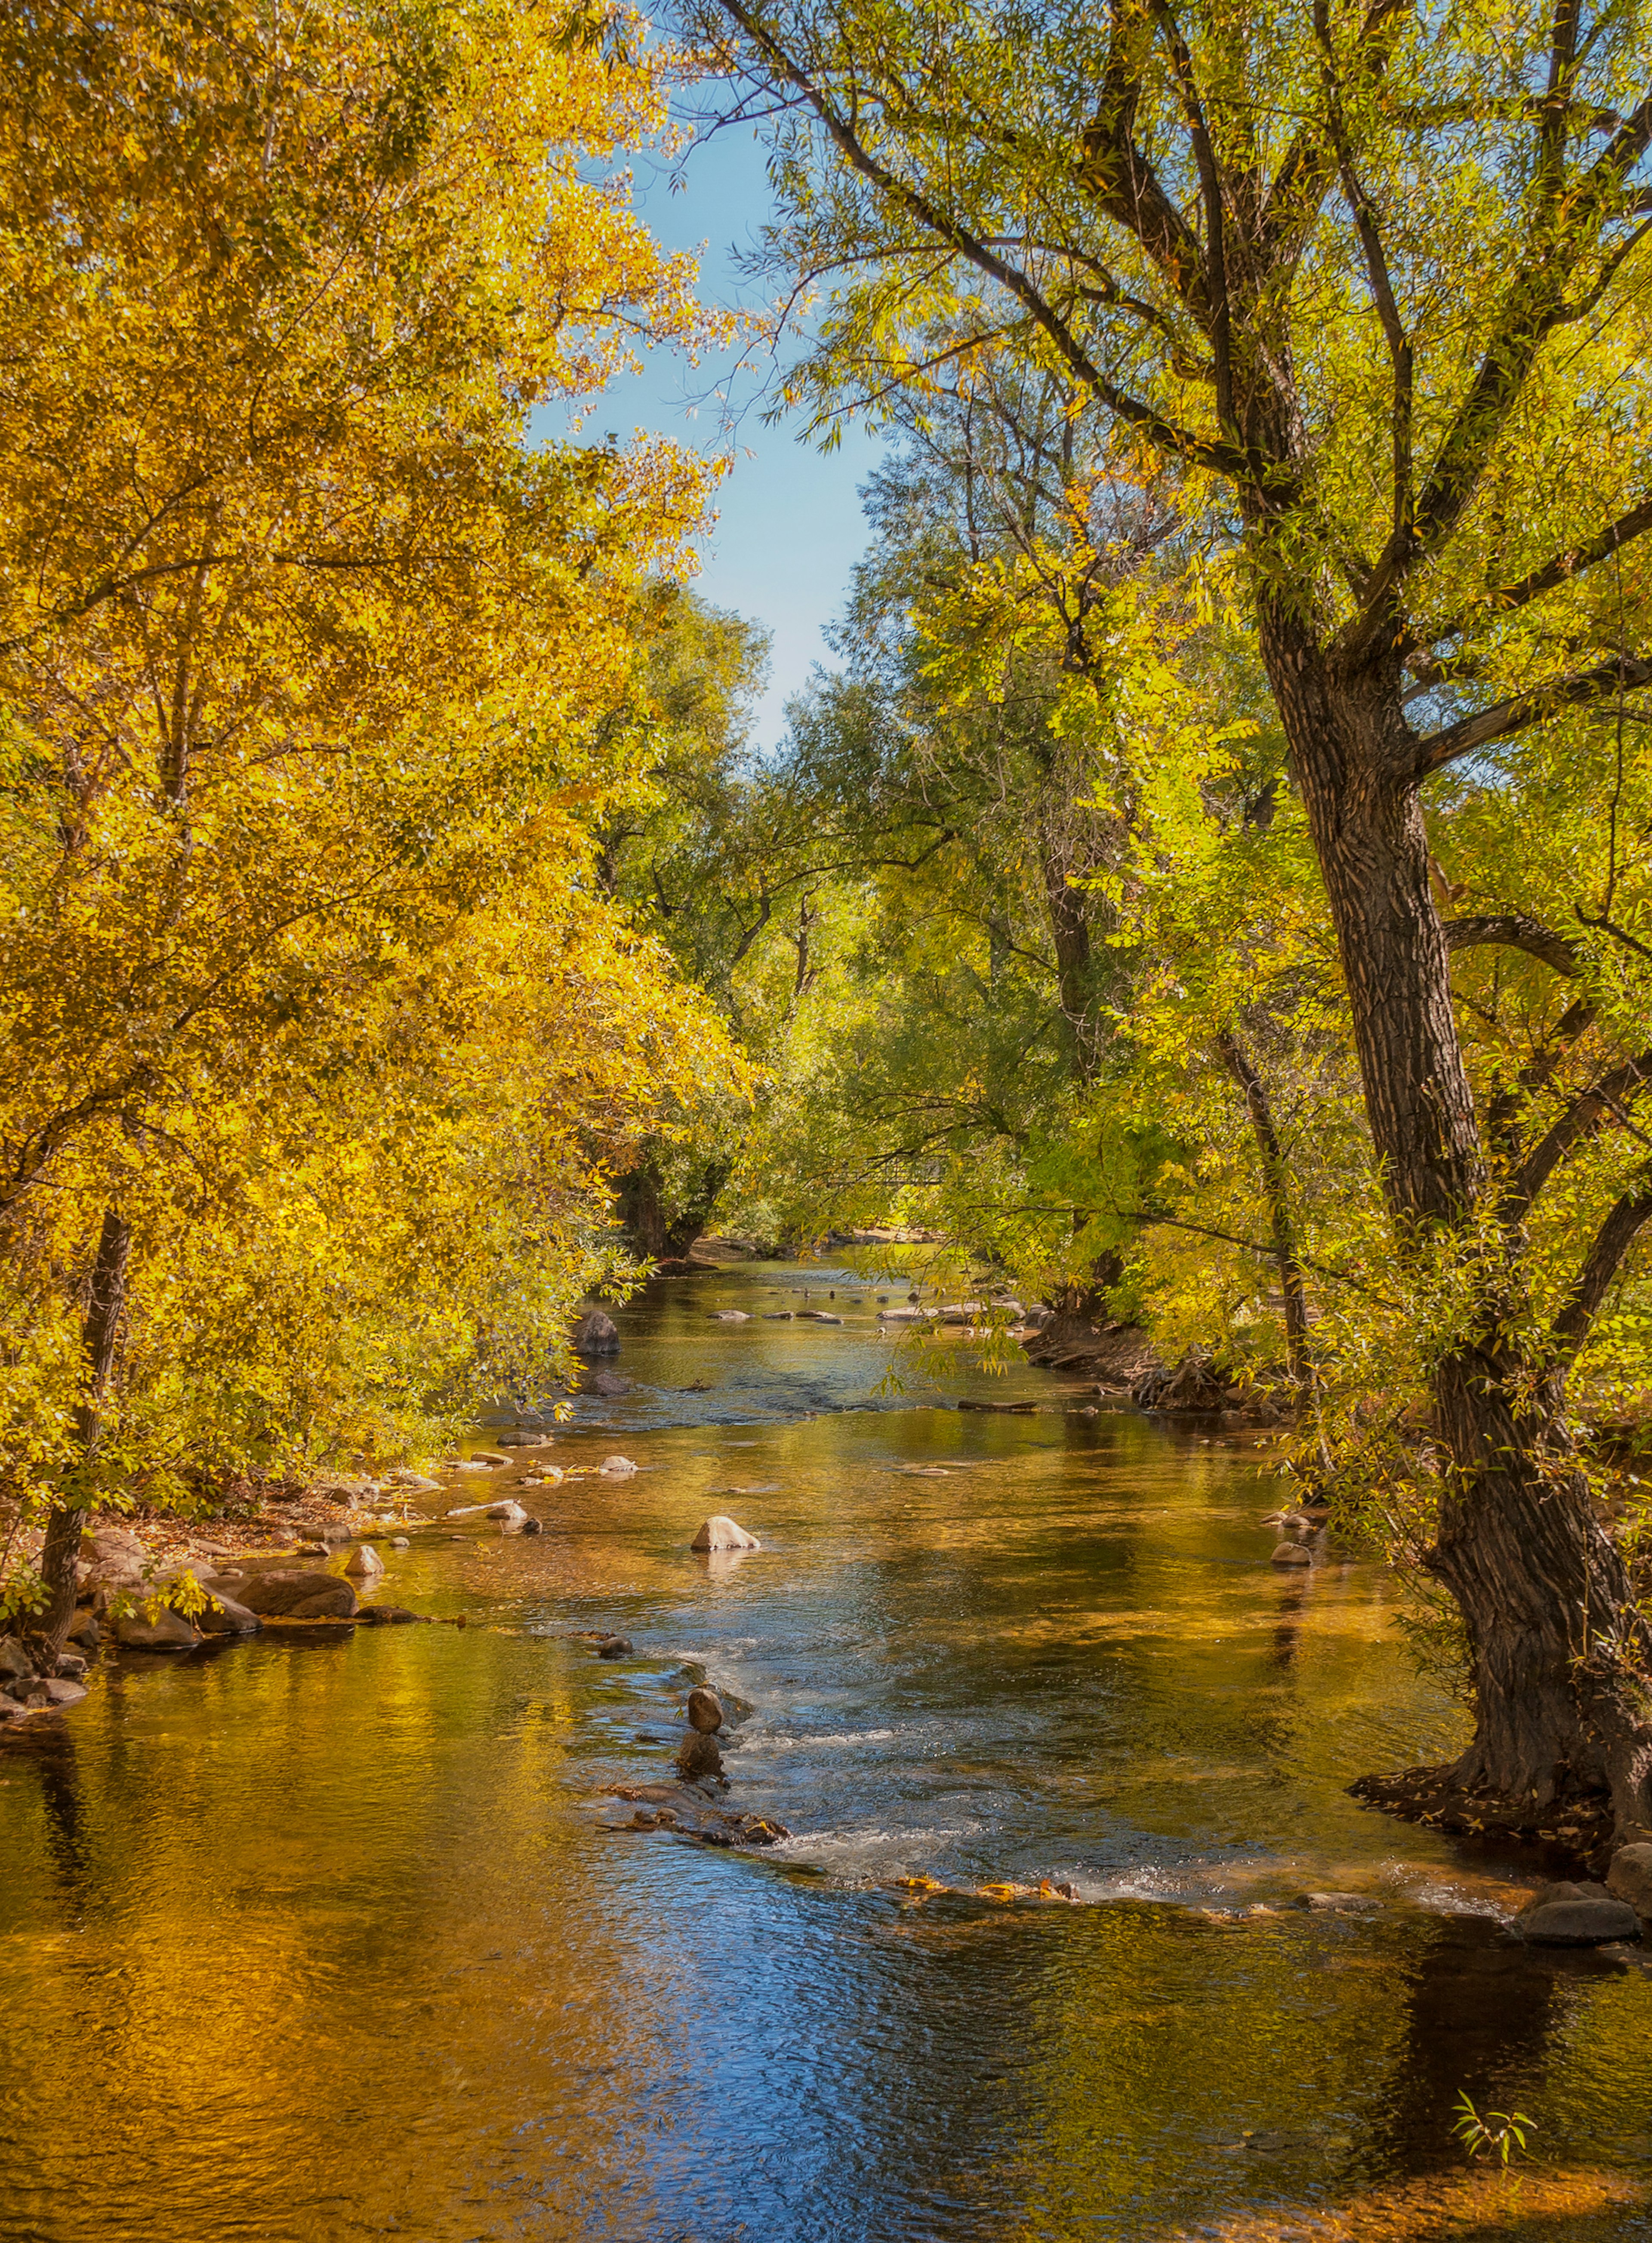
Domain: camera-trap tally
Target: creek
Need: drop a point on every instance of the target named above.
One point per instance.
(328, 1933)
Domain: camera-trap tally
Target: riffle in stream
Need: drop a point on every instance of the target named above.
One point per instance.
(332, 1933)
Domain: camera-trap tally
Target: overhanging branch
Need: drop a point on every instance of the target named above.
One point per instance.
(1520, 710)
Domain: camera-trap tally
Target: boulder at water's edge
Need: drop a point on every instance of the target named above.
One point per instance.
(595, 1334)
(299, 1596)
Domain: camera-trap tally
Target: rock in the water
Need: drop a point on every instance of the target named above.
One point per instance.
(614, 1646)
(705, 1711)
(1630, 1877)
(399, 1542)
(70, 1667)
(728, 1317)
(1291, 1553)
(507, 1508)
(299, 1596)
(14, 1659)
(778, 1315)
(607, 1384)
(698, 1757)
(817, 1317)
(168, 1631)
(362, 1564)
(595, 1334)
(618, 1467)
(383, 1616)
(1577, 1916)
(531, 1440)
(228, 1617)
(59, 1692)
(488, 1457)
(533, 1527)
(85, 1632)
(723, 1534)
(1342, 1903)
(415, 1482)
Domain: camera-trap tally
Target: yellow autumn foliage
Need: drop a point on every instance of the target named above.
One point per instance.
(316, 676)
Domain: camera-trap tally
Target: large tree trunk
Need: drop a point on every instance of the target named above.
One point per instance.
(65, 1524)
(1556, 1646)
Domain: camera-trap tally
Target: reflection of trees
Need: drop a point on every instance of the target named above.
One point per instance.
(1481, 2015)
(1287, 1629)
(49, 1748)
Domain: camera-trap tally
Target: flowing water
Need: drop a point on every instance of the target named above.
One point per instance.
(333, 1934)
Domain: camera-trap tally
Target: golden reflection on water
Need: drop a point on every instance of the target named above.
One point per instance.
(328, 1939)
(1473, 2207)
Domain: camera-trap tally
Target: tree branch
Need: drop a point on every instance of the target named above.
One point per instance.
(1612, 1242)
(1220, 458)
(1520, 710)
(1564, 566)
(1589, 1112)
(1515, 930)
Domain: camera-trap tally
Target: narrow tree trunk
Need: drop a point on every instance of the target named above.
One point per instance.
(642, 1211)
(1070, 934)
(1275, 1185)
(1557, 1649)
(67, 1521)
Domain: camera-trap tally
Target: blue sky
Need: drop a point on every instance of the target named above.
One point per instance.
(789, 525)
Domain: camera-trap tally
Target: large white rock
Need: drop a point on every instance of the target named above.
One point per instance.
(618, 1467)
(720, 1533)
(362, 1564)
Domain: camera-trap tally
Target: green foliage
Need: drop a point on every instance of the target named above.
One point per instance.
(1500, 2131)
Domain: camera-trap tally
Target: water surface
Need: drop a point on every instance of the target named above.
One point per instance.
(330, 1934)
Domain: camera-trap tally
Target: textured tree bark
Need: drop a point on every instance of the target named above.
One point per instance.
(1558, 1650)
(67, 1521)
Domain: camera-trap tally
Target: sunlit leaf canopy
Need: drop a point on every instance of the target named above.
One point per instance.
(316, 678)
(960, 183)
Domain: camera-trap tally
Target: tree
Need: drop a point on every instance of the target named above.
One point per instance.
(1383, 277)
(319, 1042)
(682, 852)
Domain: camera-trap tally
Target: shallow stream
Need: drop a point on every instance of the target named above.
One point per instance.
(329, 1933)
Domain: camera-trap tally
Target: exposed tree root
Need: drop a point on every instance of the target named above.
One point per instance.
(1582, 1827)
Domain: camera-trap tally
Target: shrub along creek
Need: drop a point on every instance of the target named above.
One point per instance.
(971, 1856)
